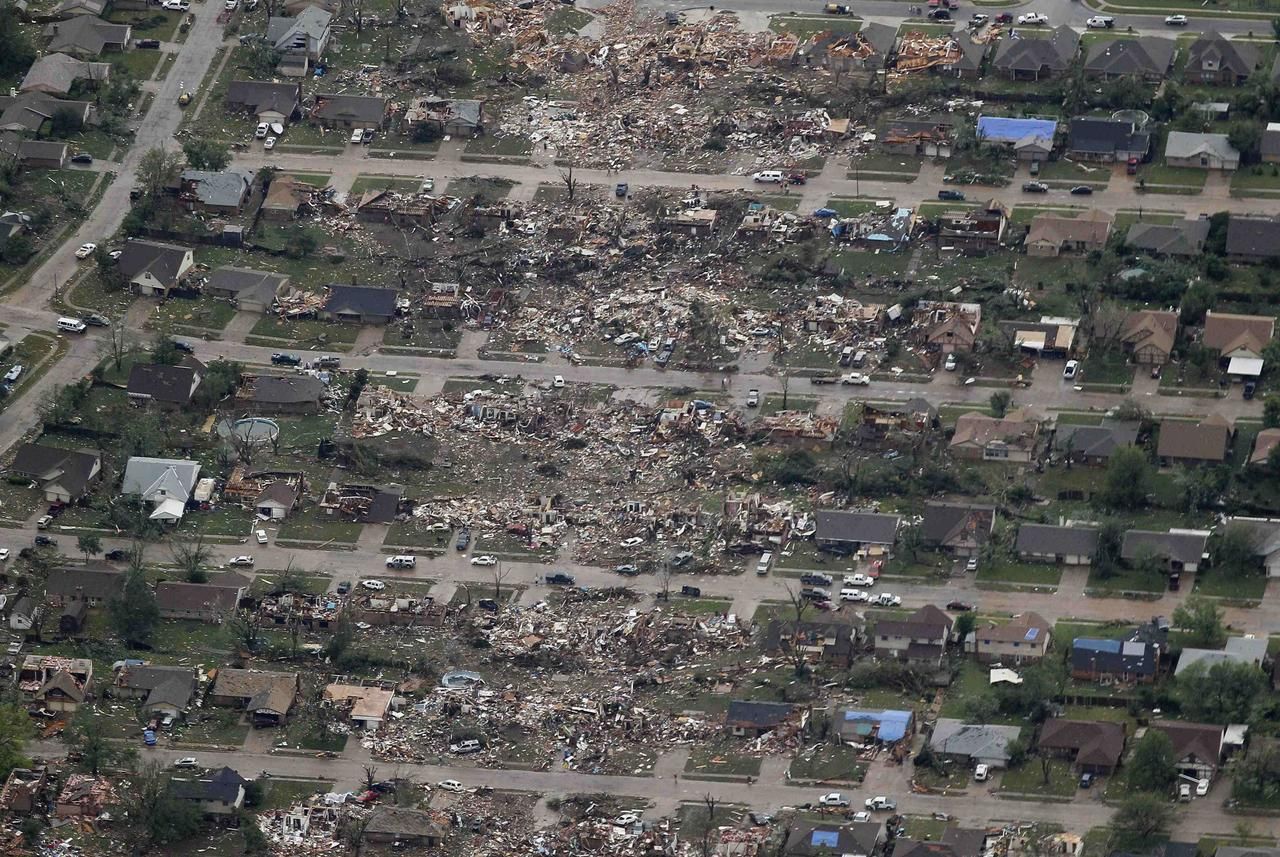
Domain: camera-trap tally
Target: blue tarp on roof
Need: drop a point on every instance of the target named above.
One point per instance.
(825, 838)
(893, 724)
(1002, 129)
(1092, 645)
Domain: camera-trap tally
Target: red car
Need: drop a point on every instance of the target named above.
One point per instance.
(1004, 18)
(797, 178)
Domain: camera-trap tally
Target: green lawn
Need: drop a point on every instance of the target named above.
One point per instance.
(1029, 779)
(1128, 580)
(280, 794)
(305, 332)
(370, 182)
(1226, 586)
(141, 64)
(313, 527)
(722, 758)
(827, 762)
(805, 25)
(850, 207)
(772, 402)
(1018, 572)
(1162, 174)
(566, 20)
(205, 313)
(865, 263)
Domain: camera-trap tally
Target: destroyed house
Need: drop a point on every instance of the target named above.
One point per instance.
(1013, 437)
(753, 719)
(966, 66)
(268, 102)
(1106, 141)
(164, 386)
(979, 228)
(203, 602)
(313, 612)
(384, 610)
(64, 475)
(957, 528)
(869, 49)
(1124, 661)
(367, 708)
(1092, 746)
(948, 327)
(84, 796)
(918, 138)
(219, 794)
(56, 683)
(94, 585)
(1146, 58)
(854, 839)
(368, 503)
(163, 690)
(921, 638)
(359, 304)
(864, 533)
(1037, 59)
(1217, 61)
(455, 117)
(861, 726)
(1093, 445)
(825, 642)
(696, 222)
(26, 791)
(921, 51)
(387, 206)
(954, 842)
(275, 394)
(244, 486)
(268, 697)
(254, 291)
(152, 268)
(1058, 545)
(348, 111)
(801, 428)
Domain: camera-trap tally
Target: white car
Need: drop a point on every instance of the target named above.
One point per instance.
(357, 135)
(484, 560)
(14, 373)
(972, 564)
(1100, 22)
(1202, 788)
(230, 5)
(269, 143)
(86, 250)
(4, 554)
(981, 773)
(1176, 20)
(753, 398)
(558, 382)
(853, 595)
(115, 254)
(881, 802)
(886, 599)
(261, 536)
(240, 560)
(450, 785)
(1071, 369)
(176, 5)
(861, 816)
(833, 799)
(262, 130)
(634, 541)
(186, 762)
(626, 338)
(374, 584)
(427, 185)
(1033, 18)
(856, 379)
(950, 365)
(859, 579)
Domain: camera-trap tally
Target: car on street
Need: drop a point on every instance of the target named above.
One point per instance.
(484, 560)
(856, 379)
(240, 561)
(952, 195)
(797, 178)
(558, 382)
(816, 579)
(753, 398)
(1035, 187)
(939, 15)
(230, 5)
(1100, 22)
(269, 143)
(1071, 369)
(1033, 19)
(117, 555)
(262, 130)
(282, 359)
(464, 540)
(769, 176)
(261, 536)
(343, 587)
(815, 593)
(4, 554)
(85, 251)
(628, 569)
(450, 785)
(373, 584)
(357, 136)
(977, 19)
(186, 762)
(1082, 190)
(885, 599)
(858, 579)
(82, 158)
(560, 579)
(632, 542)
(972, 564)
(44, 542)
(95, 320)
(853, 595)
(14, 373)
(880, 802)
(184, 347)
(175, 5)
(1004, 18)
(959, 606)
(833, 799)
(1176, 21)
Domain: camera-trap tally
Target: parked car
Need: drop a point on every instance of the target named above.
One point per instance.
(85, 251)
(184, 347)
(240, 561)
(1176, 21)
(1035, 187)
(148, 44)
(95, 320)
(814, 593)
(631, 542)
(856, 379)
(753, 398)
(484, 560)
(1250, 387)
(1202, 787)
(560, 579)
(357, 136)
(977, 19)
(833, 799)
(558, 382)
(344, 587)
(953, 195)
(1100, 22)
(959, 606)
(464, 540)
(1071, 369)
(261, 536)
(1082, 190)
(269, 143)
(881, 802)
(939, 15)
(186, 762)
(14, 373)
(981, 773)
(814, 579)
(1086, 780)
(1033, 19)
(628, 569)
(853, 595)
(621, 189)
(373, 584)
(691, 591)
(1004, 18)
(461, 748)
(858, 579)
(82, 158)
(450, 785)
(117, 555)
(950, 364)
(367, 136)
(262, 130)
(282, 359)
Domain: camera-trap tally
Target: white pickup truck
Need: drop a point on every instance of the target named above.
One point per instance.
(856, 379)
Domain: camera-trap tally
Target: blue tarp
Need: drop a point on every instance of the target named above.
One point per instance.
(825, 838)
(1002, 129)
(893, 724)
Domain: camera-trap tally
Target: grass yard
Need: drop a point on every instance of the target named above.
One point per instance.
(1029, 779)
(141, 64)
(305, 332)
(509, 146)
(366, 183)
(1225, 586)
(205, 313)
(1007, 571)
(1260, 177)
(220, 726)
(1070, 172)
(1109, 367)
(972, 682)
(700, 606)
(1127, 580)
(1162, 174)
(722, 759)
(827, 762)
(311, 526)
(846, 206)
(772, 403)
(806, 25)
(866, 263)
(280, 794)
(1125, 219)
(566, 20)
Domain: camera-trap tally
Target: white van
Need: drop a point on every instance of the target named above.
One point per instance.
(71, 325)
(402, 561)
(770, 176)
(762, 567)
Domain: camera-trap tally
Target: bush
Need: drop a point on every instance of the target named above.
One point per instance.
(454, 74)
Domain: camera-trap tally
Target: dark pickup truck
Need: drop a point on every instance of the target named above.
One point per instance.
(825, 379)
(560, 579)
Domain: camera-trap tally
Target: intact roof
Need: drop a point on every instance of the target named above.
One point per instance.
(162, 261)
(1271, 139)
(1016, 428)
(1053, 53)
(1263, 444)
(264, 97)
(222, 787)
(286, 390)
(278, 492)
(361, 300)
(368, 109)
(928, 622)
(93, 583)
(70, 468)
(758, 715)
(1183, 547)
(1146, 55)
(1227, 332)
(86, 33)
(1106, 136)
(223, 188)
(1091, 226)
(1184, 238)
(945, 523)
(173, 384)
(1030, 628)
(270, 691)
(57, 73)
(1253, 236)
(1203, 441)
(246, 282)
(978, 741)
(148, 476)
(825, 839)
(1099, 441)
(400, 821)
(889, 725)
(196, 597)
(1239, 650)
(1240, 58)
(30, 110)
(1202, 741)
(1067, 541)
(1096, 742)
(1003, 129)
(1185, 144)
(301, 32)
(861, 527)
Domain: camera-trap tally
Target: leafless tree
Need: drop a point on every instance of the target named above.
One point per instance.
(1106, 324)
(665, 573)
(570, 183)
(500, 573)
(245, 629)
(799, 603)
(118, 343)
(710, 802)
(191, 554)
(370, 776)
(353, 832)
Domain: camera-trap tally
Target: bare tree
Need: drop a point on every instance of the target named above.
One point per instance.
(499, 574)
(570, 183)
(1106, 324)
(191, 555)
(353, 832)
(245, 629)
(118, 343)
(370, 776)
(800, 604)
(665, 573)
(710, 801)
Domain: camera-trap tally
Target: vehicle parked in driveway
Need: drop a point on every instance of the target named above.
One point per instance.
(82, 158)
(950, 364)
(44, 522)
(464, 540)
(753, 398)
(148, 44)
(357, 136)
(260, 133)
(261, 536)
(1071, 369)
(972, 564)
(981, 773)
(269, 143)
